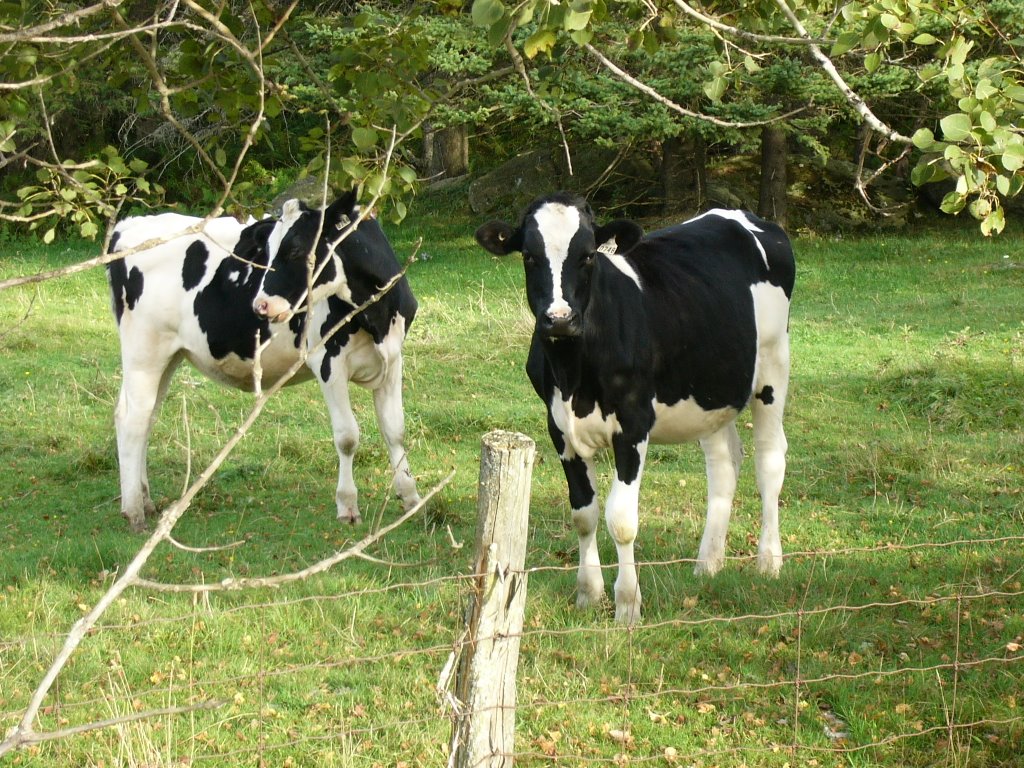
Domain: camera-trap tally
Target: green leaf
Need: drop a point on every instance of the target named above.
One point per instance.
(714, 89)
(923, 138)
(576, 20)
(925, 39)
(487, 13)
(922, 174)
(1013, 157)
(48, 235)
(844, 42)
(364, 138)
(220, 156)
(541, 41)
(956, 127)
(872, 61)
(581, 36)
(407, 174)
(1003, 185)
(953, 203)
(994, 223)
(89, 229)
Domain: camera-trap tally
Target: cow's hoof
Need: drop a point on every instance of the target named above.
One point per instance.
(350, 516)
(586, 601)
(769, 564)
(708, 567)
(628, 613)
(137, 524)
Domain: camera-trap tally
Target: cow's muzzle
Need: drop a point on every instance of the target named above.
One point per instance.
(560, 326)
(272, 308)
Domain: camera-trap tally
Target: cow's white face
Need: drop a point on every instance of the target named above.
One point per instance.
(559, 242)
(298, 232)
(558, 253)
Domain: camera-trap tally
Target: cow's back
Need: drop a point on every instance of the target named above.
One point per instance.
(697, 281)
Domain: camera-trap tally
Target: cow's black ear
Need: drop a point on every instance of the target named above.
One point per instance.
(343, 206)
(624, 232)
(498, 237)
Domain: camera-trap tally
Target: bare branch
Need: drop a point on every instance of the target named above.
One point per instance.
(719, 26)
(664, 100)
(63, 733)
(67, 19)
(855, 101)
(355, 550)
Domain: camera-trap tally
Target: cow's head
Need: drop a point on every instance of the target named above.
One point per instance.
(559, 241)
(299, 232)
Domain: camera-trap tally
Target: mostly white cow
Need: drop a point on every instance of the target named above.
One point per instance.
(214, 295)
(662, 339)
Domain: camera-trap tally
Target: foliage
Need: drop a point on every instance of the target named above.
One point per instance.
(967, 53)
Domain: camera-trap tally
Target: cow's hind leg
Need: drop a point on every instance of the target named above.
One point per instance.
(345, 431)
(770, 450)
(722, 454)
(387, 400)
(146, 374)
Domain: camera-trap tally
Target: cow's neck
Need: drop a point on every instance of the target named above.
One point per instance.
(565, 358)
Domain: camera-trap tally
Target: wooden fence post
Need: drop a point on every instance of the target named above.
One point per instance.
(483, 730)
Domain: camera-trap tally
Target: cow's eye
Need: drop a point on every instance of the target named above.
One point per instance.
(588, 258)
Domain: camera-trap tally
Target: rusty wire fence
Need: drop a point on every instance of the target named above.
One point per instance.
(937, 683)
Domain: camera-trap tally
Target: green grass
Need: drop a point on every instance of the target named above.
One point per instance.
(904, 429)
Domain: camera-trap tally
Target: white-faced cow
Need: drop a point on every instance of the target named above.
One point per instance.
(662, 339)
(213, 296)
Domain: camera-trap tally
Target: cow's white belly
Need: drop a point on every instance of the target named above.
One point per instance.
(679, 423)
(685, 421)
(275, 359)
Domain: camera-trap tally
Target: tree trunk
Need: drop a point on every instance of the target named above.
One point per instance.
(446, 152)
(772, 200)
(684, 173)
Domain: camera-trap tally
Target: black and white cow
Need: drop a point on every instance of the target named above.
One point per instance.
(662, 339)
(213, 295)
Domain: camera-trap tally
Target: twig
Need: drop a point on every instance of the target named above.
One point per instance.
(859, 105)
(326, 564)
(664, 100)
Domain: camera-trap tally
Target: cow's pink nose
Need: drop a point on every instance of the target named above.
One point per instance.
(260, 308)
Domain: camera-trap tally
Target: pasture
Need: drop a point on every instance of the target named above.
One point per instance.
(894, 636)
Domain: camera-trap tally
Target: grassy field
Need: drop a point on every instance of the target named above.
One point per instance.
(893, 636)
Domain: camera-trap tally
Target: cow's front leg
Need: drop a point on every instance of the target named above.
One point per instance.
(387, 400)
(345, 430)
(622, 516)
(722, 453)
(579, 475)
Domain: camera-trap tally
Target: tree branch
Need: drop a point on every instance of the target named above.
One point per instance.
(664, 100)
(855, 101)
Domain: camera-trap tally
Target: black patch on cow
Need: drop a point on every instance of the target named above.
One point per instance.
(194, 267)
(125, 286)
(766, 395)
(224, 307)
(337, 309)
